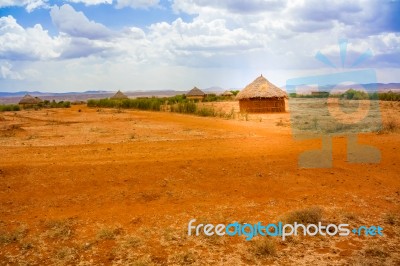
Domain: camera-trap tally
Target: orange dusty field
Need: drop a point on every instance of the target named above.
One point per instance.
(84, 186)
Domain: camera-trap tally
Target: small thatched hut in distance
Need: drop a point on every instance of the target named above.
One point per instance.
(28, 101)
(261, 96)
(119, 96)
(227, 94)
(195, 94)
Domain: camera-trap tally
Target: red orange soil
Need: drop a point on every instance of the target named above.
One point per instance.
(146, 174)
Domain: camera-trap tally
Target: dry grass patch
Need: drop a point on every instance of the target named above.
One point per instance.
(375, 251)
(264, 248)
(183, 258)
(349, 216)
(65, 254)
(59, 228)
(390, 218)
(389, 126)
(311, 215)
(108, 233)
(132, 241)
(14, 236)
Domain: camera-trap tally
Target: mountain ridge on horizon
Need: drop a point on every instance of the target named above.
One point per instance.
(213, 89)
(132, 92)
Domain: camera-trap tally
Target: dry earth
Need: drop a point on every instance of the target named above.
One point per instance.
(87, 186)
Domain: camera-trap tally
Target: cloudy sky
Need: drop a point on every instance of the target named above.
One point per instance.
(79, 45)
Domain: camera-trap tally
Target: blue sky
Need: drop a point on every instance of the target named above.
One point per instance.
(78, 45)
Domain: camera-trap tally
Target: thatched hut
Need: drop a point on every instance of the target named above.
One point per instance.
(261, 96)
(119, 96)
(195, 94)
(28, 101)
(227, 94)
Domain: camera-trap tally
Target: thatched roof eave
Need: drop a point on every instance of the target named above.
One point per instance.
(260, 97)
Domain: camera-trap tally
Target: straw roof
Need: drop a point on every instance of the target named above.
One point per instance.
(195, 92)
(261, 88)
(227, 93)
(119, 95)
(27, 99)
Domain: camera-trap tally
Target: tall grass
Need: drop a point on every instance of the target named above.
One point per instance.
(389, 96)
(49, 104)
(54, 104)
(152, 104)
(184, 108)
(9, 107)
(176, 104)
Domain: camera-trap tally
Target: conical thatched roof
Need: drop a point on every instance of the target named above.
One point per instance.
(27, 99)
(195, 92)
(261, 88)
(119, 95)
(227, 93)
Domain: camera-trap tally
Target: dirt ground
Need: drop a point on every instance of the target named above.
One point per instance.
(85, 186)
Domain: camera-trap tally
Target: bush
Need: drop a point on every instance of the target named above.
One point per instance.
(264, 248)
(176, 99)
(212, 98)
(355, 95)
(176, 104)
(184, 108)
(389, 96)
(54, 104)
(152, 104)
(312, 215)
(235, 92)
(9, 107)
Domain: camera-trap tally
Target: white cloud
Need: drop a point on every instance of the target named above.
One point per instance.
(6, 72)
(231, 6)
(220, 42)
(137, 3)
(91, 2)
(179, 41)
(30, 44)
(17, 43)
(29, 5)
(76, 24)
(83, 47)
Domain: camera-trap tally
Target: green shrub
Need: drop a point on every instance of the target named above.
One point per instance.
(9, 107)
(184, 108)
(176, 99)
(389, 96)
(211, 98)
(235, 92)
(176, 104)
(352, 94)
(152, 104)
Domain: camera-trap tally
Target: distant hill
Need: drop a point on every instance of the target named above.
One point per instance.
(38, 93)
(14, 97)
(370, 87)
(214, 89)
